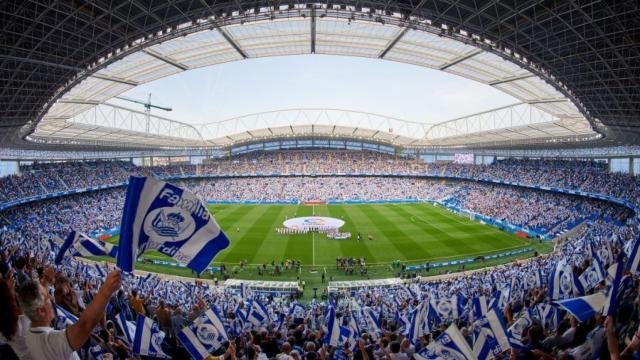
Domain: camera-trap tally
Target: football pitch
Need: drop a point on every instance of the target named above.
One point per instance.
(411, 233)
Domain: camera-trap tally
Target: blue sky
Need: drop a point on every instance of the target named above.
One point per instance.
(318, 81)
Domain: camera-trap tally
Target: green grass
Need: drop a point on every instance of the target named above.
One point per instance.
(410, 233)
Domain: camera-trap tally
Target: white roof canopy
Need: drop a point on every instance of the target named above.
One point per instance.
(83, 115)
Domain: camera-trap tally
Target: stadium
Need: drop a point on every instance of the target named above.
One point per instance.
(319, 180)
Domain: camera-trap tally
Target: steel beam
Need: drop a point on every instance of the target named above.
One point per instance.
(169, 61)
(460, 59)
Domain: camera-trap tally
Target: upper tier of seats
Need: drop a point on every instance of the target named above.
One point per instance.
(38, 179)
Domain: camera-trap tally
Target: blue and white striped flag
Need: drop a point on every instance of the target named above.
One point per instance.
(561, 281)
(592, 276)
(372, 322)
(68, 242)
(99, 271)
(480, 305)
(204, 335)
(516, 331)
(533, 279)
(602, 253)
(258, 314)
(447, 309)
(503, 296)
(245, 291)
(297, 311)
(633, 262)
(63, 318)
(549, 316)
(97, 352)
(354, 328)
(489, 336)
(158, 215)
(127, 327)
(516, 290)
(419, 323)
(349, 336)
(148, 338)
(78, 244)
(333, 328)
(611, 303)
(584, 307)
(403, 322)
(449, 345)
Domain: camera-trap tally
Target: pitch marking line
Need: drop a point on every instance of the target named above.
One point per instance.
(313, 239)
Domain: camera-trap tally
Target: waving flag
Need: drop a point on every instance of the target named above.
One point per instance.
(79, 244)
(603, 253)
(99, 271)
(258, 314)
(533, 279)
(449, 345)
(204, 335)
(489, 336)
(236, 326)
(68, 242)
(403, 322)
(127, 327)
(561, 281)
(633, 263)
(245, 291)
(549, 316)
(611, 303)
(333, 328)
(373, 322)
(583, 308)
(419, 323)
(481, 305)
(592, 276)
(447, 309)
(63, 318)
(158, 215)
(297, 311)
(99, 353)
(148, 338)
(503, 296)
(516, 331)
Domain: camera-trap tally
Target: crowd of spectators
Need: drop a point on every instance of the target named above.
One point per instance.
(535, 210)
(590, 176)
(542, 212)
(81, 290)
(32, 290)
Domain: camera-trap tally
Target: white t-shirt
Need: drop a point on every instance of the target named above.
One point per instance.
(46, 343)
(18, 342)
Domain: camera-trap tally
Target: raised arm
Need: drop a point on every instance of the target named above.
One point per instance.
(78, 333)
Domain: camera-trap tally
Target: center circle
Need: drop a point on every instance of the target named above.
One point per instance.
(313, 223)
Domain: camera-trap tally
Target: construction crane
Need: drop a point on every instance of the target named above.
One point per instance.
(147, 106)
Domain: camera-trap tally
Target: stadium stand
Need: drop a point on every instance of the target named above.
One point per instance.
(539, 167)
(27, 249)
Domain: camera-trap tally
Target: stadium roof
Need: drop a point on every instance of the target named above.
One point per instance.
(574, 68)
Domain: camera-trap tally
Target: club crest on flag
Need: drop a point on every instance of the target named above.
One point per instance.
(566, 283)
(207, 334)
(161, 216)
(450, 345)
(444, 308)
(176, 225)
